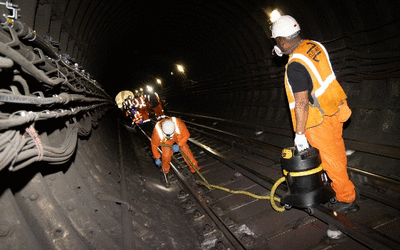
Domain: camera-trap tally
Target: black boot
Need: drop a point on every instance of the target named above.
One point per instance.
(344, 208)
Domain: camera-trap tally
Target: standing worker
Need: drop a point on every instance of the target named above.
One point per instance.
(171, 131)
(317, 105)
(140, 106)
(153, 101)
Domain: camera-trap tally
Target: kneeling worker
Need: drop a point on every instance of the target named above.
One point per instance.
(173, 132)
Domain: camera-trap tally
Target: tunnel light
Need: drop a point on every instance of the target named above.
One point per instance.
(149, 89)
(180, 68)
(158, 81)
(274, 15)
(122, 95)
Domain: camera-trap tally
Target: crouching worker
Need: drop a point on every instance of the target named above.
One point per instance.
(171, 135)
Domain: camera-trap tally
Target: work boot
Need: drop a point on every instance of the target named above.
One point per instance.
(344, 208)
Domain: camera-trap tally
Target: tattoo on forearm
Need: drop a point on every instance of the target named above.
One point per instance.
(301, 102)
(301, 110)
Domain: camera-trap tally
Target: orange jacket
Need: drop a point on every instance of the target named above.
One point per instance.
(180, 137)
(327, 93)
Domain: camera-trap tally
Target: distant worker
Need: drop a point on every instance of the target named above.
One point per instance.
(317, 104)
(126, 104)
(154, 103)
(140, 106)
(128, 107)
(136, 118)
(171, 131)
(125, 107)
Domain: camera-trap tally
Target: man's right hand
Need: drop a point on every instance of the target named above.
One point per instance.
(301, 143)
(158, 162)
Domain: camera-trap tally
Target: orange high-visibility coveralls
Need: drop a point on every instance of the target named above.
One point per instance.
(180, 138)
(324, 125)
(137, 118)
(140, 106)
(158, 110)
(154, 102)
(143, 109)
(327, 138)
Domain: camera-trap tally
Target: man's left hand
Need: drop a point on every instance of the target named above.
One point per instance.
(175, 148)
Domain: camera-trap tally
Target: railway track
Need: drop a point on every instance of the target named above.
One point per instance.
(235, 221)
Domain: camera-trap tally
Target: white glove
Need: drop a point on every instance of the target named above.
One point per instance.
(301, 143)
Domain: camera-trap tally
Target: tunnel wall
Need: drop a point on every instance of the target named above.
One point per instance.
(59, 206)
(89, 202)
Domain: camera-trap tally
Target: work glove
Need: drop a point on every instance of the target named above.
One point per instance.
(175, 148)
(158, 162)
(301, 143)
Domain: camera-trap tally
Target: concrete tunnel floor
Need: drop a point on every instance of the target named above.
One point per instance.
(157, 219)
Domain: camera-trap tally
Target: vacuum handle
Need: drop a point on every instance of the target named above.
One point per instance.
(307, 153)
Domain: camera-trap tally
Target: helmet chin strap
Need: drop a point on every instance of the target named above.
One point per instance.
(168, 137)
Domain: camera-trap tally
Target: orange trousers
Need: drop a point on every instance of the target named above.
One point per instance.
(144, 114)
(166, 155)
(327, 138)
(158, 111)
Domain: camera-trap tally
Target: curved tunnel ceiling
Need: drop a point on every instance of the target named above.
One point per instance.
(124, 43)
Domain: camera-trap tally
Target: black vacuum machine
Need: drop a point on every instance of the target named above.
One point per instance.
(308, 184)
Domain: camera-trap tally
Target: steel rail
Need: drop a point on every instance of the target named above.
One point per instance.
(220, 224)
(272, 130)
(366, 236)
(260, 148)
(127, 228)
(375, 149)
(362, 234)
(265, 149)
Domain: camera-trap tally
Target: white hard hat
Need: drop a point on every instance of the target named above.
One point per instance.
(168, 127)
(284, 26)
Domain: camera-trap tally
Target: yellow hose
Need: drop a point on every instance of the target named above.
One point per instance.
(303, 173)
(260, 197)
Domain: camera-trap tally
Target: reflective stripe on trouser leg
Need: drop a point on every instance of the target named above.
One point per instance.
(327, 138)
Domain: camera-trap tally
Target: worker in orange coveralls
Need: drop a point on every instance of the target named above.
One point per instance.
(171, 131)
(140, 107)
(137, 118)
(129, 108)
(317, 104)
(155, 103)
